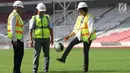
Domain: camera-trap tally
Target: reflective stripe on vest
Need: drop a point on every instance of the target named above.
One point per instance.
(18, 27)
(85, 31)
(41, 28)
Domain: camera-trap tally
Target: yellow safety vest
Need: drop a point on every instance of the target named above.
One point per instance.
(84, 28)
(41, 27)
(18, 27)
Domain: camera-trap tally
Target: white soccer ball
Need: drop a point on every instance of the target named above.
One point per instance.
(58, 46)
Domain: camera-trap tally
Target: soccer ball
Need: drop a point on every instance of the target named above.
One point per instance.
(58, 46)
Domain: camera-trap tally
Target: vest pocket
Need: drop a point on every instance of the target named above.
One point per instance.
(46, 33)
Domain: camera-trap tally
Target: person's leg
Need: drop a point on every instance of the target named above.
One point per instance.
(15, 58)
(46, 49)
(68, 49)
(86, 55)
(20, 53)
(37, 50)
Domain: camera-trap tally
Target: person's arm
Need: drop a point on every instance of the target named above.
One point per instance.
(30, 36)
(91, 23)
(70, 35)
(75, 30)
(51, 32)
(73, 33)
(31, 26)
(12, 27)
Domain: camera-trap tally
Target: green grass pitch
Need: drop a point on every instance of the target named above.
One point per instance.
(101, 61)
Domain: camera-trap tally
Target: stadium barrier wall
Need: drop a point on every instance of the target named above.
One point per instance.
(103, 45)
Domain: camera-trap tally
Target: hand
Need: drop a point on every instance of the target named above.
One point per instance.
(15, 43)
(88, 39)
(51, 42)
(66, 38)
(31, 43)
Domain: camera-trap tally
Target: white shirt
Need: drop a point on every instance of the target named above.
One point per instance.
(12, 26)
(91, 22)
(32, 22)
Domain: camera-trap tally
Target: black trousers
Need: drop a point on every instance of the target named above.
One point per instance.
(85, 51)
(18, 56)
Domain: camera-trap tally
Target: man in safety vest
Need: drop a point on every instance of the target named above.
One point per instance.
(15, 33)
(84, 32)
(42, 33)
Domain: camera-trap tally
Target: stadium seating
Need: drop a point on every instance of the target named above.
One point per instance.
(4, 16)
(3, 29)
(98, 11)
(26, 15)
(3, 1)
(112, 27)
(115, 37)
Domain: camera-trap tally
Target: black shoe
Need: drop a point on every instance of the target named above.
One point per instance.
(45, 70)
(34, 71)
(85, 70)
(16, 72)
(61, 60)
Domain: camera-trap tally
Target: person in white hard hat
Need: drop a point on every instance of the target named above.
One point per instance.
(84, 32)
(15, 33)
(41, 33)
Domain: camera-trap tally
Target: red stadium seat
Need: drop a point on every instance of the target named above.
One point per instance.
(4, 16)
(116, 37)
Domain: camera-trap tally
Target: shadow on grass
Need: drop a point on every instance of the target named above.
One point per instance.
(109, 71)
(91, 71)
(64, 72)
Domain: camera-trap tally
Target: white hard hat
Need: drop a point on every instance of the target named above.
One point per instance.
(82, 5)
(18, 4)
(41, 7)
